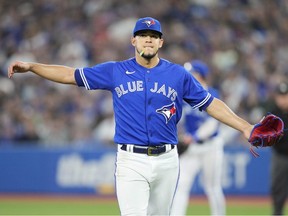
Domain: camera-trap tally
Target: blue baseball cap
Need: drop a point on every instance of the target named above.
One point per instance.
(147, 24)
(197, 66)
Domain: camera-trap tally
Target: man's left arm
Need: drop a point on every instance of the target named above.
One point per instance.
(220, 111)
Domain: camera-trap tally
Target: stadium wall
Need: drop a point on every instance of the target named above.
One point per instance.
(91, 171)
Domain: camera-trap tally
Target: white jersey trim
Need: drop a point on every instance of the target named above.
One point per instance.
(202, 102)
(84, 79)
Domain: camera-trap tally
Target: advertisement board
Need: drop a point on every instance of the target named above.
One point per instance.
(91, 171)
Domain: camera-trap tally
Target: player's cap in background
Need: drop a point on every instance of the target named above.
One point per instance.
(147, 23)
(197, 66)
(282, 88)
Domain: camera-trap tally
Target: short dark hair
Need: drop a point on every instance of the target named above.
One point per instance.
(144, 31)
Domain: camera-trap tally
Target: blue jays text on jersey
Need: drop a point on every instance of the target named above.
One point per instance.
(138, 86)
(147, 101)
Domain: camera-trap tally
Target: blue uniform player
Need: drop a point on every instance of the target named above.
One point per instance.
(200, 133)
(148, 93)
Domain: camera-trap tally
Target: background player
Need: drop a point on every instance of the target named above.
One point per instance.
(148, 93)
(204, 153)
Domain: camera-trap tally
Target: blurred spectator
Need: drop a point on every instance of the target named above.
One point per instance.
(241, 40)
(105, 127)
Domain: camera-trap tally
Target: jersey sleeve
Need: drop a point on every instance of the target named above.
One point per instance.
(214, 92)
(99, 76)
(194, 93)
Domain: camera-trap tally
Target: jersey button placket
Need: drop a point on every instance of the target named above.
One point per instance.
(149, 99)
(148, 78)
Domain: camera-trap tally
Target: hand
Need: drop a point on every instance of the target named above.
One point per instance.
(18, 67)
(187, 139)
(184, 141)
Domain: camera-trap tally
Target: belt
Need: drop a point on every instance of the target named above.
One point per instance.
(149, 150)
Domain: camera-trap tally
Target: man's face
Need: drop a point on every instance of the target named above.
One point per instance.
(147, 43)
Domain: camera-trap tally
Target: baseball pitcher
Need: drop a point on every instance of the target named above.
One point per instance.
(148, 94)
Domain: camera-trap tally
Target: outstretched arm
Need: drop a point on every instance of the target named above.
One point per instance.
(56, 73)
(220, 111)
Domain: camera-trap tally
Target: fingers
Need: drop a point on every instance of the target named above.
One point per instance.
(10, 71)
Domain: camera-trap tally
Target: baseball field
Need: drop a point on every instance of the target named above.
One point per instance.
(89, 205)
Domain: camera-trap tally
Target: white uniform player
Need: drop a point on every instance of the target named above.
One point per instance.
(204, 154)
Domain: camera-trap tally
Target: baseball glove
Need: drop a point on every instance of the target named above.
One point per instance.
(182, 147)
(266, 133)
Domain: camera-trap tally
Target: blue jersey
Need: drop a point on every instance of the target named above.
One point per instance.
(147, 101)
(199, 124)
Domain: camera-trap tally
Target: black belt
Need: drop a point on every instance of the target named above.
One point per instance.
(149, 150)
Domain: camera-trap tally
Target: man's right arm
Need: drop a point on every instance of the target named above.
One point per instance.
(56, 73)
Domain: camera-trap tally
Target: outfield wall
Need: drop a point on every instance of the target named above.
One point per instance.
(91, 171)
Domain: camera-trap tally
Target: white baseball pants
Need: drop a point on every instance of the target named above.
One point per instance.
(145, 185)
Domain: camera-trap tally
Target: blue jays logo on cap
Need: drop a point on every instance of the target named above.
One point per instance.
(147, 23)
(167, 111)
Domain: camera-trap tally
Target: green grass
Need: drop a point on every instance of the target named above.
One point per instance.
(58, 208)
(241, 209)
(96, 207)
